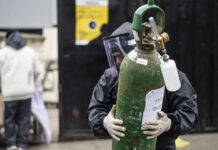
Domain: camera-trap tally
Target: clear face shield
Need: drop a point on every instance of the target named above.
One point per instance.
(116, 49)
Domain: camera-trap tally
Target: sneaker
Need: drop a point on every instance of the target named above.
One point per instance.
(12, 147)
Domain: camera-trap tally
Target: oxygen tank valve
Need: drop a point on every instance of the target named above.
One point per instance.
(159, 40)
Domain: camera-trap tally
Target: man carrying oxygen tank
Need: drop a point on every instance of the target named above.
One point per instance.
(179, 109)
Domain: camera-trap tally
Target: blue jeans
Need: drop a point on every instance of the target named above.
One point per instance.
(17, 122)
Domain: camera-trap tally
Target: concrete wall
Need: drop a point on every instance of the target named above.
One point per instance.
(26, 14)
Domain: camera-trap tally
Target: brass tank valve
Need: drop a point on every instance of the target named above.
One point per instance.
(160, 40)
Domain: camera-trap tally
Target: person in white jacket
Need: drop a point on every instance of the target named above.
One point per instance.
(19, 67)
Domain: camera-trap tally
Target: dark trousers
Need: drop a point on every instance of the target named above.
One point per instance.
(17, 122)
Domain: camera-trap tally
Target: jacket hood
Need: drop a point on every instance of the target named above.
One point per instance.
(125, 28)
(121, 41)
(15, 40)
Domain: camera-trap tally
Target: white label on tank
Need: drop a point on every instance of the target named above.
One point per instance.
(132, 55)
(142, 61)
(153, 105)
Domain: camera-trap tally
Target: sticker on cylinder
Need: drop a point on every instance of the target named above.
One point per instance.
(153, 104)
(132, 55)
(142, 61)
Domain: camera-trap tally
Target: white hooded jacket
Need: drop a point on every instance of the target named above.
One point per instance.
(17, 71)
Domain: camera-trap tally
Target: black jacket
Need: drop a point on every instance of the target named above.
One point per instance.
(180, 106)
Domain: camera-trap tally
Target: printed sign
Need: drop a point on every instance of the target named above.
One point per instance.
(90, 16)
(153, 104)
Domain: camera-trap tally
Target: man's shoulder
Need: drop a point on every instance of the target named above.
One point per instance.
(110, 77)
(182, 75)
(28, 48)
(111, 73)
(107, 71)
(4, 50)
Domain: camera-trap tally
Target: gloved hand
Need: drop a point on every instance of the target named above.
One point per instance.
(112, 125)
(155, 128)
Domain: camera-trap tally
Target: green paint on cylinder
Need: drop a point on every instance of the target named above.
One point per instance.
(139, 74)
(135, 81)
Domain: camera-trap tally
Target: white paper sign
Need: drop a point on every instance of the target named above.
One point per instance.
(92, 2)
(153, 104)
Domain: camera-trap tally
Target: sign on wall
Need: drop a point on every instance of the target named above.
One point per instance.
(90, 16)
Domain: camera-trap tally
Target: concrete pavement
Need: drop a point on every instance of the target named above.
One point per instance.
(197, 142)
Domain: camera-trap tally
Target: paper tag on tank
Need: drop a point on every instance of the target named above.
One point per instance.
(153, 104)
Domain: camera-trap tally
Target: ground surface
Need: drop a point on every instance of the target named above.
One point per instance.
(197, 142)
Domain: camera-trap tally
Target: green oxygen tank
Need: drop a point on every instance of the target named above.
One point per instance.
(140, 75)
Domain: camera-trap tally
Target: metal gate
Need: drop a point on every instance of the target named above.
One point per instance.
(192, 26)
